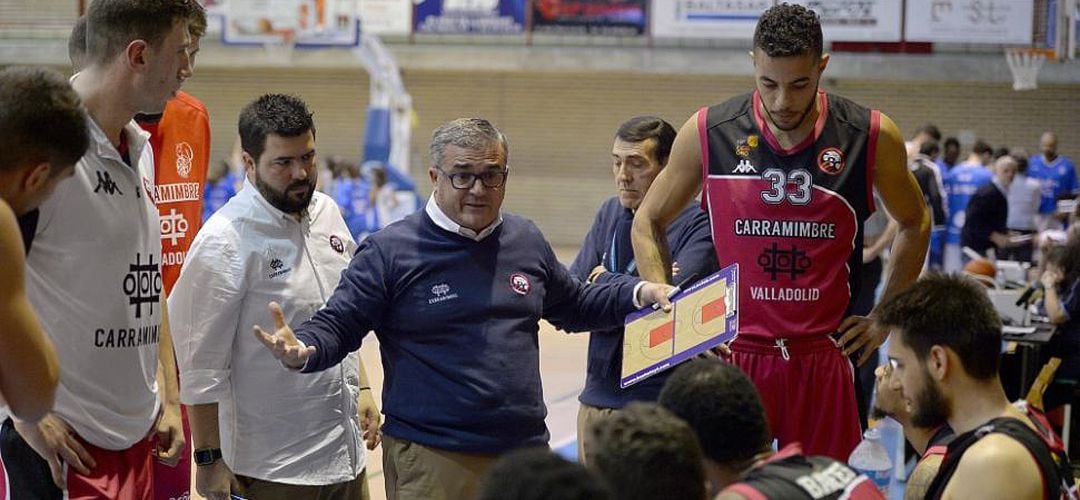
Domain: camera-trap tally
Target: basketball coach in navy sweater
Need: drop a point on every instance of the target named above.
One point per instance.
(454, 294)
(641, 149)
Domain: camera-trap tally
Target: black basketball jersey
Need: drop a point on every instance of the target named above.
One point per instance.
(790, 475)
(1053, 465)
(792, 218)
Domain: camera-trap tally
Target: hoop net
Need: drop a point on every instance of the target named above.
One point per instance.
(1024, 64)
(280, 48)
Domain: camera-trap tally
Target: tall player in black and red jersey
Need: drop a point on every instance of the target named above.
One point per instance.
(789, 175)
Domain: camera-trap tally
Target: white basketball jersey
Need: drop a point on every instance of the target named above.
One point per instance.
(94, 278)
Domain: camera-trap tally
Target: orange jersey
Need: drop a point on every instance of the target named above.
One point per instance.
(181, 142)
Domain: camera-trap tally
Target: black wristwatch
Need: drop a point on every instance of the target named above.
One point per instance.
(207, 456)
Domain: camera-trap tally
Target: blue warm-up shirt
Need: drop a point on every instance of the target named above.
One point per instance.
(1057, 179)
(960, 185)
(457, 323)
(692, 250)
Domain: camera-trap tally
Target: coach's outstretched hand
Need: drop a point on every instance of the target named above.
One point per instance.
(283, 342)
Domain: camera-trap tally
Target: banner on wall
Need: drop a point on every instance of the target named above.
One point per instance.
(730, 19)
(310, 23)
(470, 16)
(385, 17)
(858, 20)
(589, 17)
(969, 21)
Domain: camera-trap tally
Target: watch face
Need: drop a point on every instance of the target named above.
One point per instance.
(207, 457)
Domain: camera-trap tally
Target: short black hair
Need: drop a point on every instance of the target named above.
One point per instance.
(722, 406)
(644, 452)
(951, 311)
(1001, 151)
(643, 128)
(113, 24)
(930, 130)
(278, 114)
(539, 474)
(981, 147)
(42, 119)
(789, 30)
(951, 141)
(929, 148)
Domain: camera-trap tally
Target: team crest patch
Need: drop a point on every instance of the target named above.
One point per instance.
(831, 161)
(520, 284)
(337, 244)
(184, 157)
(742, 149)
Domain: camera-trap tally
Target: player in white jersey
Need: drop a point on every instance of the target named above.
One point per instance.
(42, 135)
(94, 268)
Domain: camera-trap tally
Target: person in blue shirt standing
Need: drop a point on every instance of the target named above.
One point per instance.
(961, 183)
(641, 150)
(455, 294)
(1057, 176)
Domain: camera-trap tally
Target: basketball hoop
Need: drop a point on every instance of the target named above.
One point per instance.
(1024, 64)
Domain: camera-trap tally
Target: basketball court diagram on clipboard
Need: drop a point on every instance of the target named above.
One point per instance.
(703, 316)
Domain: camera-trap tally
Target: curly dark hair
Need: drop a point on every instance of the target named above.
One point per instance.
(722, 406)
(789, 30)
(951, 311)
(540, 474)
(644, 452)
(277, 114)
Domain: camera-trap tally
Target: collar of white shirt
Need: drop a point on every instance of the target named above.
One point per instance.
(444, 221)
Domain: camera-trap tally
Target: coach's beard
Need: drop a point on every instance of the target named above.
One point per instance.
(281, 200)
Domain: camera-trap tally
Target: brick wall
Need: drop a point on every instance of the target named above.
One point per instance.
(561, 125)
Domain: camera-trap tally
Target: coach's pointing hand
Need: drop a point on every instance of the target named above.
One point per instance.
(283, 343)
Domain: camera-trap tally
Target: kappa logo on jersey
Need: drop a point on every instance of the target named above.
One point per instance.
(745, 167)
(173, 226)
(143, 284)
(520, 284)
(106, 184)
(184, 156)
(777, 261)
(441, 293)
(831, 161)
(337, 244)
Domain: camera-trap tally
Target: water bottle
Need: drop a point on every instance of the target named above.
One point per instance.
(892, 436)
(872, 459)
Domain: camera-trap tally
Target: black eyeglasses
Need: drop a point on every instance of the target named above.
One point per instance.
(466, 180)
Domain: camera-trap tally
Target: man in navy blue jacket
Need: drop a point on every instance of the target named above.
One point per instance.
(641, 150)
(454, 294)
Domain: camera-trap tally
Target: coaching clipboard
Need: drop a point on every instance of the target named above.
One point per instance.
(703, 316)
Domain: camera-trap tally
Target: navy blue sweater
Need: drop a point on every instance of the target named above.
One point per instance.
(691, 246)
(457, 324)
